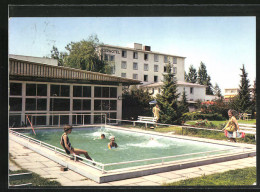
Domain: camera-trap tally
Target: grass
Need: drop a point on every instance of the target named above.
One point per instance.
(246, 176)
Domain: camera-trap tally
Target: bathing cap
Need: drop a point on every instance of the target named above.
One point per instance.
(112, 137)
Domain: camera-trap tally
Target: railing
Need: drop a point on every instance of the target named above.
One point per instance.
(102, 166)
(57, 150)
(103, 118)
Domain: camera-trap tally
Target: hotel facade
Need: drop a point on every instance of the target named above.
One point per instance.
(140, 63)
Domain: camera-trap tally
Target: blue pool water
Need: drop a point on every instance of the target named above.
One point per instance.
(132, 145)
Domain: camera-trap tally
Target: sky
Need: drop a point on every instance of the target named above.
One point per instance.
(223, 44)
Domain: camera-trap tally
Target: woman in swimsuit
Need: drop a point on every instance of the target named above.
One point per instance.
(65, 143)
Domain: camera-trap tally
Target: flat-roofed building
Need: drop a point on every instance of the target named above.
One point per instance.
(141, 63)
(54, 95)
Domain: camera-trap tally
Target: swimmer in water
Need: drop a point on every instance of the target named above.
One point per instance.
(112, 143)
(102, 136)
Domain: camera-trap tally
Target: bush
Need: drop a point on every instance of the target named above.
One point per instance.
(198, 115)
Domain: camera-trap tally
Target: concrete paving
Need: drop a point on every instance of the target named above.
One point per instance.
(45, 167)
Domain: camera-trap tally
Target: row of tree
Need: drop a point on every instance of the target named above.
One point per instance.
(201, 77)
(136, 101)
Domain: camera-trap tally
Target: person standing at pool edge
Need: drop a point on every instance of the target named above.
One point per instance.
(232, 127)
(156, 112)
(65, 143)
(112, 143)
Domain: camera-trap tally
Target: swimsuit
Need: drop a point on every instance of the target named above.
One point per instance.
(68, 143)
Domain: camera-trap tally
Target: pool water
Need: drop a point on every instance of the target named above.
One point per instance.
(131, 145)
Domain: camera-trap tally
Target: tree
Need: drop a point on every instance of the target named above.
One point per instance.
(183, 103)
(254, 98)
(204, 78)
(168, 99)
(202, 74)
(244, 99)
(136, 103)
(55, 54)
(192, 75)
(217, 90)
(83, 55)
(209, 90)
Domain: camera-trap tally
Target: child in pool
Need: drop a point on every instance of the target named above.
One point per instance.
(112, 143)
(65, 143)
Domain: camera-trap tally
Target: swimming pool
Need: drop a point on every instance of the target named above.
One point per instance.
(133, 146)
(137, 154)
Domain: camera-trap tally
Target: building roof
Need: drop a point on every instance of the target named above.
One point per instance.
(48, 61)
(139, 50)
(26, 70)
(159, 84)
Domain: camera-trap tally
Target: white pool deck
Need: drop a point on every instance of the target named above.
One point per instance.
(47, 168)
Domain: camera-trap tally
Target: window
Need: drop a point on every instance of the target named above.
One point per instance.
(191, 90)
(155, 79)
(165, 59)
(145, 78)
(135, 66)
(107, 92)
(156, 57)
(112, 57)
(123, 65)
(146, 67)
(113, 69)
(146, 57)
(135, 76)
(36, 90)
(105, 105)
(156, 68)
(174, 60)
(59, 104)
(31, 89)
(15, 89)
(35, 104)
(81, 104)
(15, 104)
(113, 92)
(106, 57)
(135, 55)
(123, 74)
(81, 91)
(124, 53)
(174, 70)
(60, 90)
(165, 69)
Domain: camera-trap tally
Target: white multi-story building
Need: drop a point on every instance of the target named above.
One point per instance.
(141, 63)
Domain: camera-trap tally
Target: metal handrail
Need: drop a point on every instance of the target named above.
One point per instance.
(49, 146)
(118, 163)
(168, 157)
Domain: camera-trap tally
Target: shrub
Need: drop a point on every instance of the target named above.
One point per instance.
(198, 115)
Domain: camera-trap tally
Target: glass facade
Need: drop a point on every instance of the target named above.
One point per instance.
(56, 101)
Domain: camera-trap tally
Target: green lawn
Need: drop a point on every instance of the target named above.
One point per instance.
(246, 176)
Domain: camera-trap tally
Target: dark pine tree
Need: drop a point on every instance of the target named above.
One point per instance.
(183, 106)
(167, 101)
(192, 75)
(244, 98)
